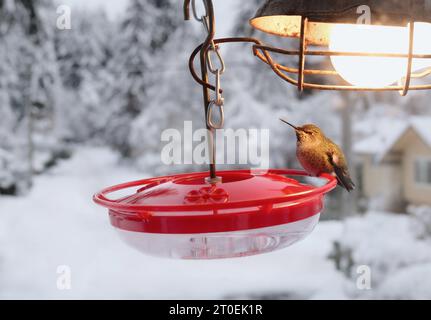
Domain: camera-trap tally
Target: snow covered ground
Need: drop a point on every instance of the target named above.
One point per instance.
(58, 224)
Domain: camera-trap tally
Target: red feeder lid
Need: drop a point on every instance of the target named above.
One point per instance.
(186, 203)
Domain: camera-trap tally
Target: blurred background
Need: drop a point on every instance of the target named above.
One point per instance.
(84, 108)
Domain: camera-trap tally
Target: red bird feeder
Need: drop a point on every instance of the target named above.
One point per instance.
(183, 216)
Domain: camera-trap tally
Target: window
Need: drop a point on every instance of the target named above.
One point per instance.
(423, 171)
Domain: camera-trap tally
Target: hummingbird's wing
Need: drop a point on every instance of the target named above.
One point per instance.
(341, 171)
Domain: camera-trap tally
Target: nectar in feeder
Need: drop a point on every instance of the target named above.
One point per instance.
(247, 213)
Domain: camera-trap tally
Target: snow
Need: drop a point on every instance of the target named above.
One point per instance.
(422, 126)
(108, 83)
(408, 283)
(421, 220)
(390, 231)
(384, 133)
(394, 248)
(49, 228)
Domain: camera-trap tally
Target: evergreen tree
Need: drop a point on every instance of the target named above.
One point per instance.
(29, 88)
(143, 33)
(83, 54)
(174, 99)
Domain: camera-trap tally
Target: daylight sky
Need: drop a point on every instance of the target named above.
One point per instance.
(225, 10)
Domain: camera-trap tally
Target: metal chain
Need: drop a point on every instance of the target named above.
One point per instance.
(214, 49)
(218, 103)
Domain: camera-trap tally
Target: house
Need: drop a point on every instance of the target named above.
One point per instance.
(395, 164)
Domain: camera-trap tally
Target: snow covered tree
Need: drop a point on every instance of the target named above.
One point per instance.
(29, 88)
(174, 99)
(83, 54)
(143, 33)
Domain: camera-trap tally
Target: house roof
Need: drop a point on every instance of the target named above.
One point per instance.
(422, 125)
(386, 133)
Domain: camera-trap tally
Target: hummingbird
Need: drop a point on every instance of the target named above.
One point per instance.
(318, 154)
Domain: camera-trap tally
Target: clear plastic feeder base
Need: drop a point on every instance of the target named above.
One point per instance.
(219, 245)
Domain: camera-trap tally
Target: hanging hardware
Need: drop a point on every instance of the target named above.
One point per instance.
(213, 49)
(195, 14)
(410, 59)
(302, 49)
(222, 66)
(209, 25)
(263, 53)
(210, 121)
(217, 42)
(218, 103)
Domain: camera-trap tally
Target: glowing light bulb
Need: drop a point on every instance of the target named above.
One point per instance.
(377, 71)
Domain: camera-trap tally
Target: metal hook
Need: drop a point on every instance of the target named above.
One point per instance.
(210, 122)
(206, 23)
(211, 68)
(195, 15)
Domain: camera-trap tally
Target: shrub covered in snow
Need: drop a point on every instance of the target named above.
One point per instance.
(387, 244)
(421, 223)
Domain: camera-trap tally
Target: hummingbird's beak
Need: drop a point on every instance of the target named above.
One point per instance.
(294, 127)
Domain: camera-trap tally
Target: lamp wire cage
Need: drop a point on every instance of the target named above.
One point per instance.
(264, 53)
(284, 72)
(328, 79)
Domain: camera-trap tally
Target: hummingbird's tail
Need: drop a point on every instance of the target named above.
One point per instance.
(342, 173)
(344, 179)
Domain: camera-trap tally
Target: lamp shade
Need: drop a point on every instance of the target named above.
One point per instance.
(283, 17)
